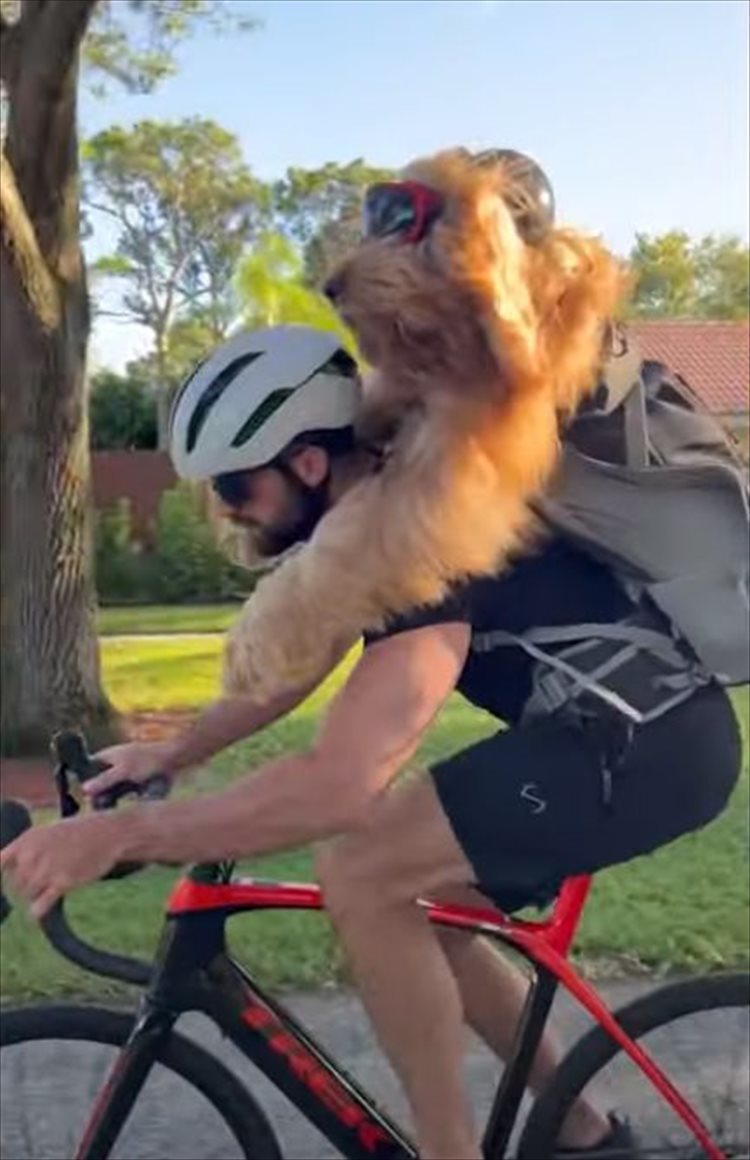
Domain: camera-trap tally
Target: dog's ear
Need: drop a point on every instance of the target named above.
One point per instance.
(579, 288)
(493, 262)
(543, 306)
(483, 242)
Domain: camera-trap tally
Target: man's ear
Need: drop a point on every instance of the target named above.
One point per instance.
(311, 464)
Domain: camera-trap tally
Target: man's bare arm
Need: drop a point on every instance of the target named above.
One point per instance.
(222, 724)
(372, 729)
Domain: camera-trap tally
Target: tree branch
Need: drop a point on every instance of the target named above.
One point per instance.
(104, 209)
(190, 297)
(8, 48)
(49, 36)
(18, 233)
(123, 316)
(60, 28)
(41, 133)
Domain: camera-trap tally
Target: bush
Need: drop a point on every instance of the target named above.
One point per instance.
(119, 567)
(122, 413)
(187, 563)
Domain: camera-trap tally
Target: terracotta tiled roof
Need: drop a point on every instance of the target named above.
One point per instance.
(712, 357)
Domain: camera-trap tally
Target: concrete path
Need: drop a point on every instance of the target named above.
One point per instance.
(40, 1091)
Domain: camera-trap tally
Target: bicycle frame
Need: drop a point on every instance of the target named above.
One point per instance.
(193, 972)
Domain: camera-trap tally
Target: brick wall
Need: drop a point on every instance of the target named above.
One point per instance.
(142, 477)
(138, 476)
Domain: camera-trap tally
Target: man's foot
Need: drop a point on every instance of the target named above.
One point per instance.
(618, 1144)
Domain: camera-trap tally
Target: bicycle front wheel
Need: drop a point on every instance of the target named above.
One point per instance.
(54, 1061)
(698, 1032)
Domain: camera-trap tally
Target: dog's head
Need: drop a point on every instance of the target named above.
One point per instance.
(463, 279)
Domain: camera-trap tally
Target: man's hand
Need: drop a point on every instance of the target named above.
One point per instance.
(135, 761)
(47, 862)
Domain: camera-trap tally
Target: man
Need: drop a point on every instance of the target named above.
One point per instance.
(268, 418)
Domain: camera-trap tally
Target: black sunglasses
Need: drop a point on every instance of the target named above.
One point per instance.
(231, 487)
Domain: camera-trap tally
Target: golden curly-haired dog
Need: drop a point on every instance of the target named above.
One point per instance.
(482, 336)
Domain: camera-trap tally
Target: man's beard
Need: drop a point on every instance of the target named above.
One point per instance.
(310, 504)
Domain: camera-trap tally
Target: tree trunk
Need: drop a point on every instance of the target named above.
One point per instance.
(49, 661)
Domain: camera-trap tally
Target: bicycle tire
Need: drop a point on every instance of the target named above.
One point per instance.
(233, 1103)
(595, 1050)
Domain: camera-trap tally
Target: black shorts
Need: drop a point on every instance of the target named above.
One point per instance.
(533, 805)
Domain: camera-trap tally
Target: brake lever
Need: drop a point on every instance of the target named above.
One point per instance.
(156, 788)
(72, 754)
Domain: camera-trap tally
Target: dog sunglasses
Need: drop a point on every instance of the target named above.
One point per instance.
(407, 209)
(402, 209)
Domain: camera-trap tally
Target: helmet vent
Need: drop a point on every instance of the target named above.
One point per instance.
(212, 394)
(260, 415)
(340, 363)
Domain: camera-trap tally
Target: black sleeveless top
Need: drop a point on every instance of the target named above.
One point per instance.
(557, 585)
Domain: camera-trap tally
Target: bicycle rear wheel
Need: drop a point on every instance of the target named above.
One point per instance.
(698, 1031)
(54, 1061)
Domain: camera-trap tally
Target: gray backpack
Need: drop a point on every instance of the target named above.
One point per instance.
(650, 485)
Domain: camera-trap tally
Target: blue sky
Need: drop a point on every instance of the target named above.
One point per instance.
(638, 109)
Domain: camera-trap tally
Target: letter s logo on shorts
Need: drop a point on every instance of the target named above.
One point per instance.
(530, 793)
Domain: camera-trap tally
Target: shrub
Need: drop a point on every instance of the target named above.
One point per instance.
(119, 567)
(187, 563)
(122, 412)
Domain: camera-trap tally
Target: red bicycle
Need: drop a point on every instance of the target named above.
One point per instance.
(90, 1083)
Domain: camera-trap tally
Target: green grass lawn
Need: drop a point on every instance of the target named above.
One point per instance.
(164, 675)
(685, 908)
(165, 618)
(161, 674)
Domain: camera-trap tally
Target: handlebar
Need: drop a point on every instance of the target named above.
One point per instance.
(67, 943)
(73, 757)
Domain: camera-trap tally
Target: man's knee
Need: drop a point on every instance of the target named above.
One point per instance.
(354, 875)
(457, 943)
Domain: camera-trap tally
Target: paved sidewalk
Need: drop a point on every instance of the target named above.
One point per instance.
(174, 1124)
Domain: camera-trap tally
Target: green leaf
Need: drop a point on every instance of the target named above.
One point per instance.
(112, 266)
(679, 277)
(135, 42)
(271, 290)
(319, 210)
(185, 206)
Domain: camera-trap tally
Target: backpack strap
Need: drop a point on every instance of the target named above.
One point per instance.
(636, 429)
(620, 373)
(623, 386)
(655, 642)
(557, 694)
(611, 424)
(563, 677)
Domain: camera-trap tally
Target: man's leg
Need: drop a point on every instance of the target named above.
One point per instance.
(493, 992)
(370, 881)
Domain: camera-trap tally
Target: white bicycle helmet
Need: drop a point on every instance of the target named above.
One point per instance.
(256, 393)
